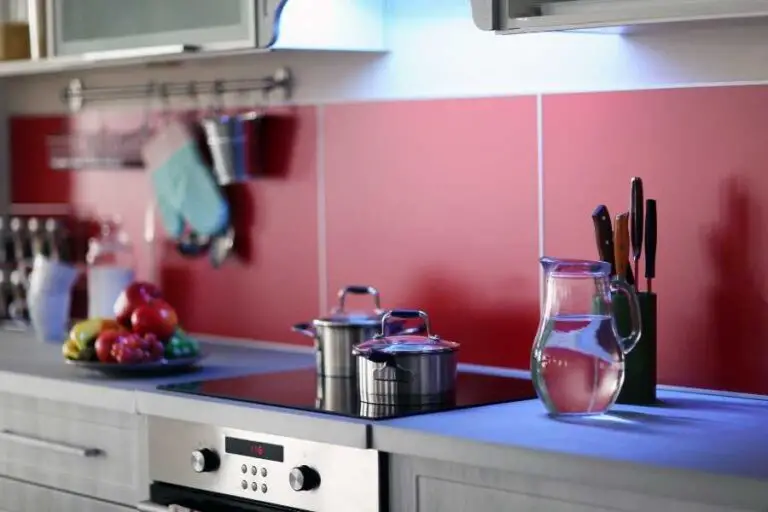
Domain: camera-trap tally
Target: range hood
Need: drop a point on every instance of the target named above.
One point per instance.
(521, 16)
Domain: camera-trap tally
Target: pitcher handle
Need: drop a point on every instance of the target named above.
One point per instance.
(629, 342)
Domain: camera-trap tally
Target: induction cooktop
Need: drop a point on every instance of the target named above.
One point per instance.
(303, 389)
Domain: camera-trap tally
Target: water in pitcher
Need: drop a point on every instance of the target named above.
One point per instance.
(581, 367)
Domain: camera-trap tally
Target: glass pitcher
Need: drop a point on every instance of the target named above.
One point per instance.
(577, 361)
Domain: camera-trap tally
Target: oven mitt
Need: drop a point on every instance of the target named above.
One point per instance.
(184, 187)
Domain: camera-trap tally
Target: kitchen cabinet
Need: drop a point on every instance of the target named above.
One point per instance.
(18, 496)
(73, 448)
(520, 16)
(78, 27)
(425, 485)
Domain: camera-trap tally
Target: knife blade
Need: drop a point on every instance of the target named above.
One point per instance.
(621, 245)
(601, 219)
(650, 243)
(636, 219)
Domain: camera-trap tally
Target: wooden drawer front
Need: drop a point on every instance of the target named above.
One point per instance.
(58, 445)
(18, 496)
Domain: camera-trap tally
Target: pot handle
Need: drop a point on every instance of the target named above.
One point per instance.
(304, 328)
(359, 290)
(407, 314)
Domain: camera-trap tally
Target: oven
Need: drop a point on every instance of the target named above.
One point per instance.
(196, 467)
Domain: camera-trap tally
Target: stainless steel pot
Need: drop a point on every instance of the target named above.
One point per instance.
(336, 334)
(406, 369)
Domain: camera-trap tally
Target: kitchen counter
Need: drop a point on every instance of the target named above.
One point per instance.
(31, 368)
(717, 436)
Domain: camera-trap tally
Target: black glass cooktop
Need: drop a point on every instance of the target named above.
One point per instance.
(302, 389)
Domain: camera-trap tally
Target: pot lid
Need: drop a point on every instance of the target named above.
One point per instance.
(340, 316)
(406, 344)
(352, 318)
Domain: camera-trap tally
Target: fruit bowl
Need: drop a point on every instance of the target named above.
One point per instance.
(153, 368)
(143, 337)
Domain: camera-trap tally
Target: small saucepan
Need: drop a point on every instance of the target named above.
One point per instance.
(406, 369)
(336, 334)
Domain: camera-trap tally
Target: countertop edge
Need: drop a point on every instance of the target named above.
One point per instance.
(89, 394)
(270, 420)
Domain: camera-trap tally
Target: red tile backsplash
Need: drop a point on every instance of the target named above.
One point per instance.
(703, 156)
(436, 204)
(440, 215)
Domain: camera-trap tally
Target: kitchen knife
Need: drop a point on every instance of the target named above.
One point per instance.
(636, 219)
(650, 243)
(621, 245)
(601, 219)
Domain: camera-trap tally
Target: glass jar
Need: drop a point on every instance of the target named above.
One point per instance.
(111, 268)
(14, 30)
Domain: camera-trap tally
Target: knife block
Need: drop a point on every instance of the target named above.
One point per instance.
(640, 365)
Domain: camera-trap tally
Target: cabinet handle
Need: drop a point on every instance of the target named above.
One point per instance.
(54, 446)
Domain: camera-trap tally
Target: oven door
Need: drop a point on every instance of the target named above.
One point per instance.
(174, 498)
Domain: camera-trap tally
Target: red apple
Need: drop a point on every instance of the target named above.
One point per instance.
(104, 344)
(137, 294)
(156, 317)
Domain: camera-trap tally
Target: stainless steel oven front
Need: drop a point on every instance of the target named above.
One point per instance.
(206, 468)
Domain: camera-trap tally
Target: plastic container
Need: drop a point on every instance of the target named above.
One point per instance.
(111, 268)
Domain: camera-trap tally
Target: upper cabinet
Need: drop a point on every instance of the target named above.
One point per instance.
(520, 16)
(115, 27)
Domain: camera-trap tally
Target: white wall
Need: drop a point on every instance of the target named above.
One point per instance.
(437, 52)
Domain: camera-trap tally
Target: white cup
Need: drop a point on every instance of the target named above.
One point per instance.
(49, 315)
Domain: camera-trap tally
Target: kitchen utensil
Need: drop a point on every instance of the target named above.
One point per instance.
(640, 365)
(36, 236)
(604, 235)
(250, 144)
(155, 368)
(222, 133)
(336, 334)
(577, 361)
(222, 246)
(621, 245)
(650, 243)
(335, 394)
(17, 309)
(54, 240)
(406, 369)
(636, 218)
(21, 248)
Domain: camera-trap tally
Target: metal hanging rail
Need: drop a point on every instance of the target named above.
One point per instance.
(76, 95)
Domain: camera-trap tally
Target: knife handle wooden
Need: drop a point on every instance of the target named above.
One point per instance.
(621, 245)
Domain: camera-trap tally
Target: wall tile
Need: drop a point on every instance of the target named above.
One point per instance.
(703, 156)
(274, 283)
(435, 204)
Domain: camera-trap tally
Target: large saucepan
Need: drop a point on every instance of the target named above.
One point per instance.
(406, 369)
(336, 334)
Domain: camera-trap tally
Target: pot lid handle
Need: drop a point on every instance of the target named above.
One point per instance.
(359, 290)
(405, 314)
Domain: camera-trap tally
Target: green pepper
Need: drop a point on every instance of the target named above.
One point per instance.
(180, 345)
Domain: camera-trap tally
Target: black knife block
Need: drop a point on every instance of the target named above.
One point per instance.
(640, 365)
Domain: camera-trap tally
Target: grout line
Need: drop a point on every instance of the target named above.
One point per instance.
(322, 255)
(540, 172)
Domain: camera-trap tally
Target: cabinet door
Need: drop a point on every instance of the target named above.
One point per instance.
(18, 496)
(423, 485)
(82, 26)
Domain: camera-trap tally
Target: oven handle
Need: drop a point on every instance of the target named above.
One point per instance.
(23, 439)
(150, 506)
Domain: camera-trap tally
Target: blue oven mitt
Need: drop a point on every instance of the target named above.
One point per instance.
(183, 185)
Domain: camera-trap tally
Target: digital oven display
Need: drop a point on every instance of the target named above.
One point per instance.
(254, 449)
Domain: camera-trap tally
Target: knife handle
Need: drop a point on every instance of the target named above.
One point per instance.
(601, 219)
(621, 245)
(650, 239)
(636, 218)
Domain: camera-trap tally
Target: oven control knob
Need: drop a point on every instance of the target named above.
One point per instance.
(204, 460)
(304, 478)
